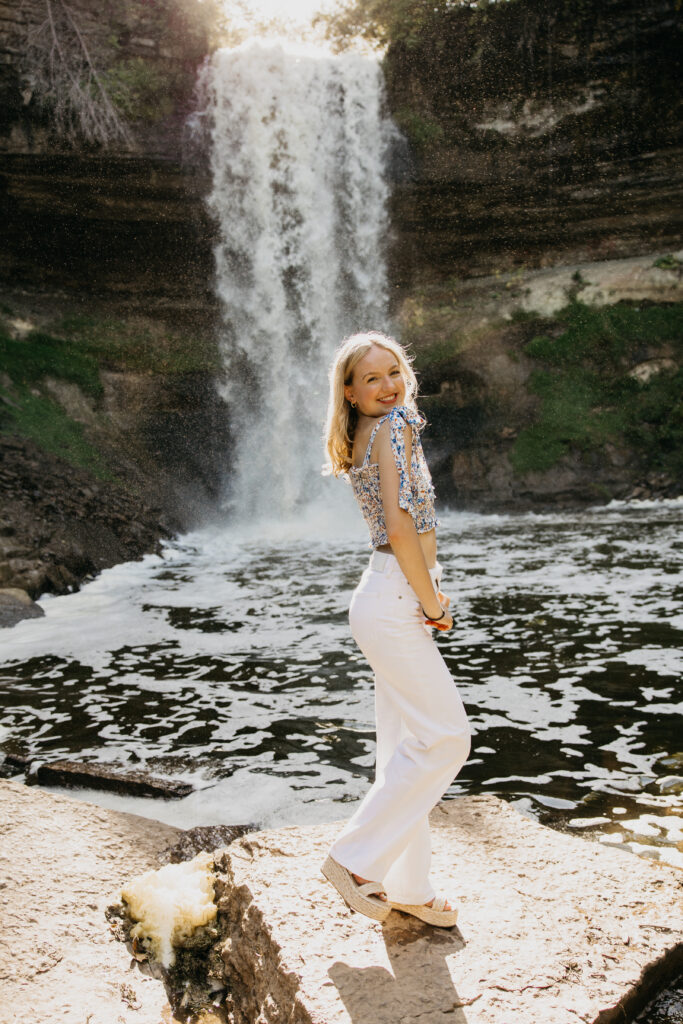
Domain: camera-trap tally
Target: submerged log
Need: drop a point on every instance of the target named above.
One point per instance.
(132, 782)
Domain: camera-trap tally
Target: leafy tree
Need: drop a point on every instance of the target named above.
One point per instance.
(382, 22)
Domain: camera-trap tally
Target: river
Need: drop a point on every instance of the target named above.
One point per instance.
(227, 661)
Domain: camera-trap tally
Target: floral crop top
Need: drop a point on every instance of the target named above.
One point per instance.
(415, 493)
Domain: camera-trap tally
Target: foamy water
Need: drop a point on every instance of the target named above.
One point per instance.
(227, 662)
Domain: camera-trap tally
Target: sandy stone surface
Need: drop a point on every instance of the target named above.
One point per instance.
(552, 929)
(60, 862)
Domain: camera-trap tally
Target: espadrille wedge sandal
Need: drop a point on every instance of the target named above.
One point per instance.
(357, 897)
(432, 915)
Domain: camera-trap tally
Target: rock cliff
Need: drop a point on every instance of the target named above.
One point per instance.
(541, 133)
(126, 220)
(111, 431)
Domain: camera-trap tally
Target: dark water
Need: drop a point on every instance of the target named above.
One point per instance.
(228, 662)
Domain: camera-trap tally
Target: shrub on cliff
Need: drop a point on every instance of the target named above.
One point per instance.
(93, 72)
(600, 379)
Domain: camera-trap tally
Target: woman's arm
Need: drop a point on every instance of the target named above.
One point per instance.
(401, 532)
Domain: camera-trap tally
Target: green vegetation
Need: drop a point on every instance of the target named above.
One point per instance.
(669, 262)
(25, 408)
(422, 132)
(138, 346)
(35, 416)
(29, 359)
(139, 90)
(383, 22)
(77, 65)
(76, 349)
(588, 396)
(408, 22)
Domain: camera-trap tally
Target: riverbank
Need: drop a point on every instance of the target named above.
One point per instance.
(61, 861)
(564, 931)
(112, 434)
(60, 524)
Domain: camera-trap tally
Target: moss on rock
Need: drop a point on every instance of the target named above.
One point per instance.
(30, 414)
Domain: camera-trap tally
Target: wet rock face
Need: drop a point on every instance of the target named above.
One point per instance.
(130, 226)
(542, 133)
(128, 221)
(59, 524)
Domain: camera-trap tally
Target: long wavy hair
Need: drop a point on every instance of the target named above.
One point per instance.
(342, 418)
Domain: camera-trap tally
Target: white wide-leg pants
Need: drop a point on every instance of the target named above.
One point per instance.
(423, 738)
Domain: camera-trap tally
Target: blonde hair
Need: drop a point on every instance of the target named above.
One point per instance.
(342, 418)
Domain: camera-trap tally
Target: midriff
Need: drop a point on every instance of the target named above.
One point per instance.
(427, 543)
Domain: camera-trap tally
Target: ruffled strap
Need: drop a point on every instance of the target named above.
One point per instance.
(399, 416)
(398, 413)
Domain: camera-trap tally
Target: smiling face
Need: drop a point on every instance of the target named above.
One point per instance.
(377, 384)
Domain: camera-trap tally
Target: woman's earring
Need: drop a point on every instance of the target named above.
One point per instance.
(352, 404)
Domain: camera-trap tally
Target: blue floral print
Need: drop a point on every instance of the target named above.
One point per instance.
(415, 492)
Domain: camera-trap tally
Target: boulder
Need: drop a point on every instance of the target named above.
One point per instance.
(15, 605)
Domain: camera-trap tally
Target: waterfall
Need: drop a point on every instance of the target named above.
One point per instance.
(299, 144)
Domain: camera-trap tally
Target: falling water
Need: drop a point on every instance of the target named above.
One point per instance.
(299, 154)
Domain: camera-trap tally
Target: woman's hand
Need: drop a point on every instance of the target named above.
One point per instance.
(441, 624)
(446, 622)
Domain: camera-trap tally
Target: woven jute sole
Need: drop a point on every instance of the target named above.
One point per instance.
(441, 918)
(347, 888)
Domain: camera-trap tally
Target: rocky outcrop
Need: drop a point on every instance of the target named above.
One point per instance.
(15, 605)
(551, 928)
(126, 226)
(541, 133)
(116, 778)
(61, 861)
(127, 220)
(59, 524)
(112, 436)
(471, 339)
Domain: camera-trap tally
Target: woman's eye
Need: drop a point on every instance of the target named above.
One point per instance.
(395, 373)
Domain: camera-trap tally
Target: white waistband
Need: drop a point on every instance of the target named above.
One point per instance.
(382, 561)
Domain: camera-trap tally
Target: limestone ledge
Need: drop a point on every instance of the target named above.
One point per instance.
(60, 862)
(552, 928)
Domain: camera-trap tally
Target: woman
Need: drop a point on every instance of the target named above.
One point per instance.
(382, 857)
